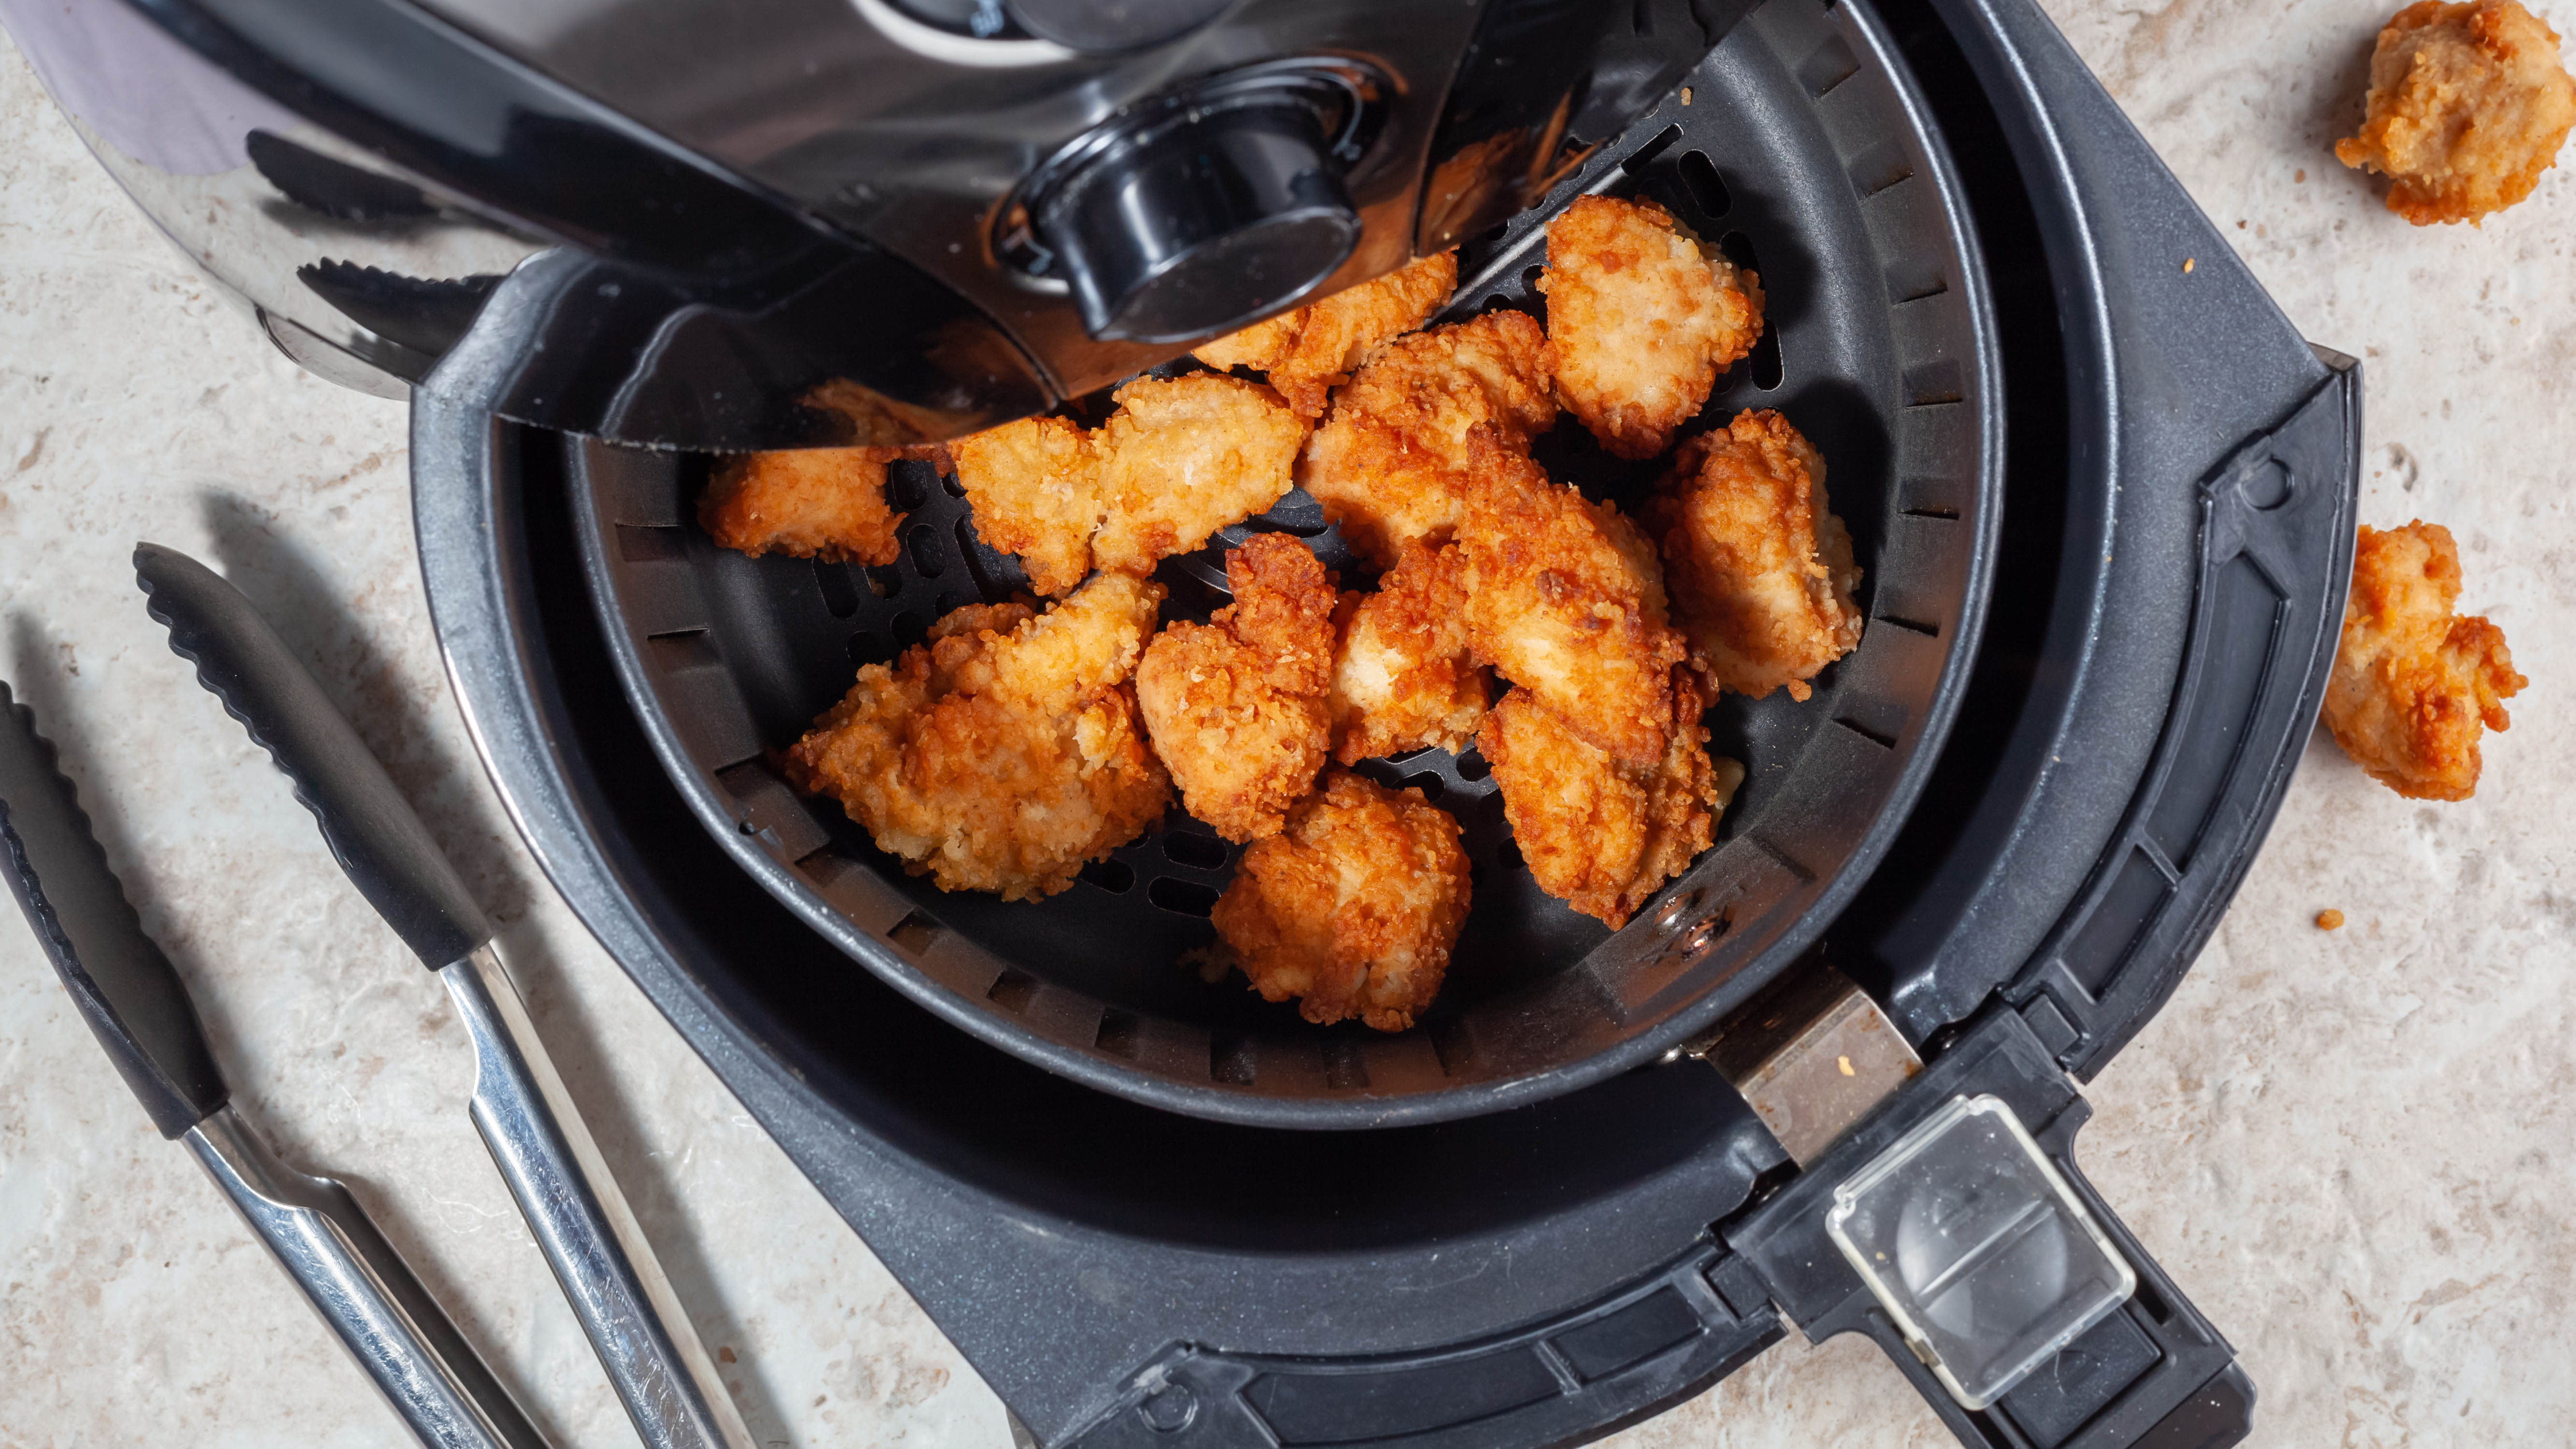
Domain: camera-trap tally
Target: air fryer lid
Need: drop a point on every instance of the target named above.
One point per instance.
(1799, 146)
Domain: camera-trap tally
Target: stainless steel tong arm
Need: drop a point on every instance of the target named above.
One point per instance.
(582, 1223)
(363, 1291)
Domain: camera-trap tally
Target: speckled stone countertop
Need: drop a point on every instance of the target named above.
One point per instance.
(2356, 1151)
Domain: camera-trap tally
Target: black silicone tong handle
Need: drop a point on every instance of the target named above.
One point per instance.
(371, 828)
(126, 990)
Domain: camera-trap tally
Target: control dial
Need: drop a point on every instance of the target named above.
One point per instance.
(1200, 212)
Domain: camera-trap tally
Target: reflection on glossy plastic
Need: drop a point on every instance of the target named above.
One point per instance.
(1977, 1248)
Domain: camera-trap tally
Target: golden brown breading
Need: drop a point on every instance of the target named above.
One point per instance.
(1235, 707)
(1035, 490)
(2413, 682)
(2468, 105)
(1181, 458)
(1185, 456)
(1354, 907)
(824, 503)
(1760, 568)
(1402, 674)
(1262, 346)
(1642, 315)
(1565, 599)
(1390, 465)
(999, 761)
(1599, 835)
(1308, 351)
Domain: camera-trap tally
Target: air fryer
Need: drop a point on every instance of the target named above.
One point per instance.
(2103, 491)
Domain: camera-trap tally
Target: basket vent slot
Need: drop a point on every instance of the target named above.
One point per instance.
(992, 586)
(1194, 850)
(1884, 742)
(1184, 897)
(1230, 1060)
(1013, 990)
(1343, 1069)
(1117, 1034)
(907, 484)
(1931, 384)
(1828, 66)
(1880, 167)
(1913, 278)
(1112, 875)
(839, 594)
(915, 934)
(868, 647)
(651, 543)
(1637, 160)
(921, 543)
(1452, 1045)
(685, 649)
(1916, 626)
(1707, 189)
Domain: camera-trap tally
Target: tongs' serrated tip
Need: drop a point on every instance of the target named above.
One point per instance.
(117, 977)
(47, 760)
(183, 642)
(184, 629)
(371, 830)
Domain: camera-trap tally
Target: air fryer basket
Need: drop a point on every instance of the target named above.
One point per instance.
(1800, 145)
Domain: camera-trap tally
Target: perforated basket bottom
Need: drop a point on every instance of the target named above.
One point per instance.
(1875, 349)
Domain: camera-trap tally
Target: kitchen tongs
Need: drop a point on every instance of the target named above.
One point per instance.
(572, 1205)
(134, 1001)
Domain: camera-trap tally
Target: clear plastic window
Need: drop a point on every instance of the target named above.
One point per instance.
(1977, 1248)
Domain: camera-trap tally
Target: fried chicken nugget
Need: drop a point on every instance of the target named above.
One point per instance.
(1602, 836)
(1034, 486)
(1235, 707)
(1308, 351)
(1642, 315)
(826, 503)
(1004, 752)
(1390, 465)
(1354, 907)
(2468, 105)
(1565, 599)
(1760, 567)
(1181, 458)
(1403, 676)
(2413, 682)
(1185, 456)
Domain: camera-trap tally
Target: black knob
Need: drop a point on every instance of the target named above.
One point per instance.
(1114, 25)
(1199, 222)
